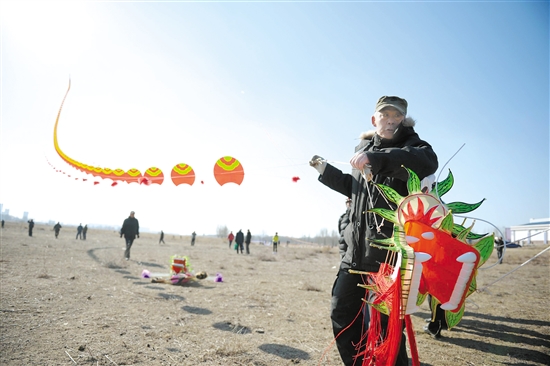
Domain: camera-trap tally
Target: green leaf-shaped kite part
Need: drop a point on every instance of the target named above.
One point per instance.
(386, 214)
(457, 228)
(382, 307)
(421, 298)
(390, 193)
(473, 285)
(447, 223)
(464, 234)
(434, 302)
(413, 183)
(386, 244)
(461, 207)
(454, 318)
(445, 186)
(485, 248)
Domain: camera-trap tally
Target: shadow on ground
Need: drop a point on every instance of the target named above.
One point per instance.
(285, 352)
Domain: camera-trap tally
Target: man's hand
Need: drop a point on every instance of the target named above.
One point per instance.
(318, 163)
(359, 160)
(138, 236)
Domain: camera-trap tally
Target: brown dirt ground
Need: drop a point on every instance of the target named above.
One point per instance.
(69, 301)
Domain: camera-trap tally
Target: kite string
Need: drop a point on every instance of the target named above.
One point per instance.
(513, 270)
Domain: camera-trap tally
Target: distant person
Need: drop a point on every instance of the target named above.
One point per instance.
(79, 231)
(130, 229)
(3, 224)
(84, 231)
(230, 237)
(247, 241)
(193, 236)
(275, 242)
(31, 226)
(343, 222)
(56, 229)
(499, 245)
(161, 240)
(239, 240)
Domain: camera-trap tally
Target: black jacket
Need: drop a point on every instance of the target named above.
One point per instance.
(239, 238)
(130, 228)
(387, 158)
(343, 222)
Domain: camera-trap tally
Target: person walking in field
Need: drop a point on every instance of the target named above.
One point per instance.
(239, 240)
(84, 231)
(130, 230)
(56, 229)
(193, 236)
(247, 241)
(79, 231)
(275, 242)
(230, 237)
(31, 226)
(161, 240)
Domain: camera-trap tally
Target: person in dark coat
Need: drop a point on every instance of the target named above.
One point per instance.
(56, 229)
(84, 231)
(31, 226)
(499, 245)
(130, 230)
(193, 236)
(161, 240)
(379, 158)
(247, 241)
(239, 240)
(343, 222)
(79, 231)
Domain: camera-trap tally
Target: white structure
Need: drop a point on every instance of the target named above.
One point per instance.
(537, 231)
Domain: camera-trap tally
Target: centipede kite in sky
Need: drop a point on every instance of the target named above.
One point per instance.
(227, 169)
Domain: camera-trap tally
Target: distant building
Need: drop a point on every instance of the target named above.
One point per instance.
(25, 216)
(534, 232)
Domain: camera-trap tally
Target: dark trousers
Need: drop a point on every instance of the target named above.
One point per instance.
(129, 242)
(438, 318)
(346, 313)
(79, 234)
(247, 248)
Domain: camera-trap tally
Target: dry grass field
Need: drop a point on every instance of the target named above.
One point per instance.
(74, 302)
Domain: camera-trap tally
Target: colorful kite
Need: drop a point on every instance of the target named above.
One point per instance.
(432, 255)
(226, 170)
(183, 174)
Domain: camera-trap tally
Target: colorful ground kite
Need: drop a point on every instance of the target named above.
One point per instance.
(226, 169)
(433, 255)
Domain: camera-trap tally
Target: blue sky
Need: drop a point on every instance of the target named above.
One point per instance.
(270, 83)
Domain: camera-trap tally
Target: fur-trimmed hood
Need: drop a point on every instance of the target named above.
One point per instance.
(408, 122)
